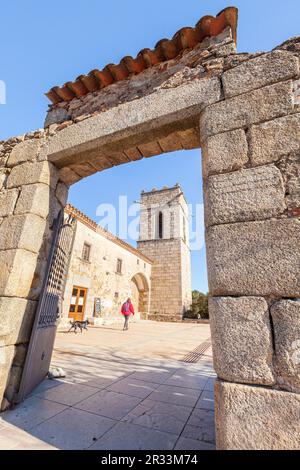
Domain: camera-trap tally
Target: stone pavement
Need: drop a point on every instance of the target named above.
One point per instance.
(123, 391)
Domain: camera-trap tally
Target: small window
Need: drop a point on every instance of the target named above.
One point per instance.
(86, 251)
(119, 266)
(138, 261)
(116, 295)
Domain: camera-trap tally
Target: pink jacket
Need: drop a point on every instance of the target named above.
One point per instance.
(127, 312)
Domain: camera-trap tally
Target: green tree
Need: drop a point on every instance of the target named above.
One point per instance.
(199, 307)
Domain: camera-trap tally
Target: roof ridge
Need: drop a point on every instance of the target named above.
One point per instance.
(165, 49)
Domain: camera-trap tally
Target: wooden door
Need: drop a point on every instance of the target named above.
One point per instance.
(78, 301)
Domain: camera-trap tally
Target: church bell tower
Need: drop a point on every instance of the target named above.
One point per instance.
(164, 237)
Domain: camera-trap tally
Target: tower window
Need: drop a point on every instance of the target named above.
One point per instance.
(160, 225)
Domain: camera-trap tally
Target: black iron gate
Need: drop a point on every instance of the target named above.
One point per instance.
(45, 325)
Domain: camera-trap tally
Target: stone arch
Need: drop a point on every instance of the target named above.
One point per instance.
(243, 111)
(140, 292)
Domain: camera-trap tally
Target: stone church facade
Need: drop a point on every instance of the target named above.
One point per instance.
(104, 270)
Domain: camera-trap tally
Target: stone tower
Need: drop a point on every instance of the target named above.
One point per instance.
(164, 237)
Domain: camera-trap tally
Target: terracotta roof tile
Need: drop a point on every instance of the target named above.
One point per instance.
(165, 49)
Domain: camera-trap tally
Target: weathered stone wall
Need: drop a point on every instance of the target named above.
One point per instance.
(251, 167)
(31, 197)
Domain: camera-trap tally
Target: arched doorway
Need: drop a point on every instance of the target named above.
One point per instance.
(140, 295)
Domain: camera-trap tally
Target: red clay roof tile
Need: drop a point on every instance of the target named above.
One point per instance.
(165, 49)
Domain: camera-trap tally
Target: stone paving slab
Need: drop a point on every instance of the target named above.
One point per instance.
(187, 379)
(68, 394)
(24, 418)
(176, 395)
(73, 429)
(158, 376)
(13, 438)
(132, 387)
(127, 436)
(206, 401)
(109, 404)
(190, 444)
(161, 416)
(200, 426)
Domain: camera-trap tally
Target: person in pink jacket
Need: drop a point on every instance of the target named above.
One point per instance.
(127, 310)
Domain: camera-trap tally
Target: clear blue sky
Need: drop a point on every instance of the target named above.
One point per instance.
(46, 44)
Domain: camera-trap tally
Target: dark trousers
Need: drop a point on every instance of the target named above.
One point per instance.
(126, 323)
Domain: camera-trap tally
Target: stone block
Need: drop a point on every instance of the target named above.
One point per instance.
(276, 66)
(255, 258)
(286, 321)
(256, 418)
(24, 152)
(17, 273)
(61, 193)
(144, 116)
(3, 175)
(68, 176)
(22, 231)
(270, 141)
(30, 173)
(250, 108)
(20, 355)
(252, 194)
(16, 320)
(13, 382)
(242, 339)
(8, 200)
(225, 152)
(290, 169)
(34, 199)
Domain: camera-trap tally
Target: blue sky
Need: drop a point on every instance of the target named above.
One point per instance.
(46, 44)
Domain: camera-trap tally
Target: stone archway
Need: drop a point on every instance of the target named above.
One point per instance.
(243, 111)
(140, 294)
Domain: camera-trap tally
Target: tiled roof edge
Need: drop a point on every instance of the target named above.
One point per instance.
(165, 49)
(73, 211)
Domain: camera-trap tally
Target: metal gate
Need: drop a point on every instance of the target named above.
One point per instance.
(48, 311)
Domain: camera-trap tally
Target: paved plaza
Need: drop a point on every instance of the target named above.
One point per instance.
(150, 388)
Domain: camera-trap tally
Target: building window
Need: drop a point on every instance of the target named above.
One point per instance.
(86, 252)
(116, 295)
(119, 266)
(160, 225)
(138, 261)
